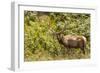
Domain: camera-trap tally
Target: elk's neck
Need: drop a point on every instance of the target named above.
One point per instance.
(60, 38)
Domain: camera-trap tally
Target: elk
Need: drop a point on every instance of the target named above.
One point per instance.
(71, 41)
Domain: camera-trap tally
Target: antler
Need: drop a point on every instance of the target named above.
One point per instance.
(63, 29)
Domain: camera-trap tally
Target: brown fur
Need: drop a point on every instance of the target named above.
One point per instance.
(71, 41)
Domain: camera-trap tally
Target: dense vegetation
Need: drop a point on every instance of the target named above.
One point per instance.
(41, 44)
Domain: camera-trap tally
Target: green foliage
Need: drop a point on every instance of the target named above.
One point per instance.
(41, 44)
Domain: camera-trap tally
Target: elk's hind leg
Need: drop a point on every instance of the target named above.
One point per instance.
(83, 50)
(83, 47)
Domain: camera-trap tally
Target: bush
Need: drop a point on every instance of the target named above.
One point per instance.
(41, 44)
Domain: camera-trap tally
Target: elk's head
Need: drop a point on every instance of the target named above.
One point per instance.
(59, 35)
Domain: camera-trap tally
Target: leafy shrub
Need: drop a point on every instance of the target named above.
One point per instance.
(41, 44)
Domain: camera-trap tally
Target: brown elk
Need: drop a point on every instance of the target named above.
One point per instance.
(71, 41)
